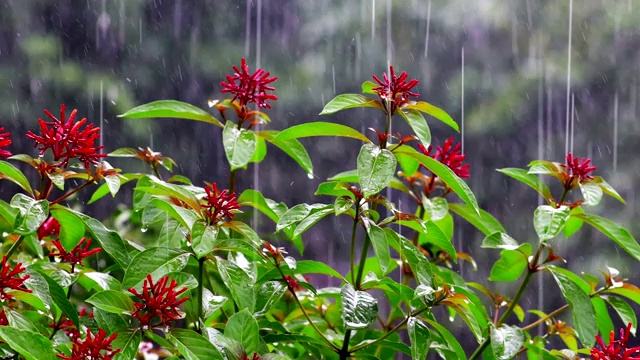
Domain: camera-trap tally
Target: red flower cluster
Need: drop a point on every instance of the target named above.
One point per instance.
(77, 254)
(395, 88)
(50, 227)
(96, 347)
(219, 204)
(617, 349)
(449, 155)
(67, 140)
(9, 279)
(251, 88)
(576, 167)
(293, 283)
(158, 300)
(255, 357)
(5, 141)
(3, 319)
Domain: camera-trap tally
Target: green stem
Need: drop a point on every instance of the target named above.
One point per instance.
(344, 352)
(390, 332)
(353, 244)
(304, 312)
(14, 246)
(232, 181)
(564, 195)
(543, 319)
(200, 291)
(87, 183)
(363, 260)
(531, 269)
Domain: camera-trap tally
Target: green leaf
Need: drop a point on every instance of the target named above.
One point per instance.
(186, 217)
(112, 301)
(156, 262)
(506, 341)
(605, 325)
(376, 168)
(511, 264)
(261, 151)
(434, 111)
(368, 86)
(154, 186)
(293, 215)
(348, 101)
(60, 298)
(499, 240)
(111, 322)
(193, 346)
(71, 226)
(380, 246)
(320, 129)
(437, 237)
(316, 267)
(584, 316)
(243, 327)
(113, 183)
(13, 174)
(268, 294)
(95, 280)
(239, 283)
(351, 176)
(359, 309)
(291, 147)
(625, 311)
(483, 221)
(104, 189)
(128, 343)
(31, 214)
(170, 109)
(256, 200)
(549, 221)
(110, 240)
(629, 291)
(543, 167)
(618, 234)
(32, 346)
(418, 124)
(419, 337)
(203, 237)
(591, 192)
(531, 180)
(450, 341)
(608, 189)
(239, 145)
(449, 177)
(314, 216)
(436, 208)
(574, 223)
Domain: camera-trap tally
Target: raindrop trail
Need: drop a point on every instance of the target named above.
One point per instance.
(573, 117)
(103, 133)
(333, 75)
(256, 168)
(566, 138)
(541, 78)
(247, 30)
(426, 39)
(389, 61)
(462, 102)
(373, 21)
(615, 131)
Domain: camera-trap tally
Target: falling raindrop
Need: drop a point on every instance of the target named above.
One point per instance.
(567, 119)
(103, 130)
(426, 38)
(462, 102)
(310, 175)
(615, 131)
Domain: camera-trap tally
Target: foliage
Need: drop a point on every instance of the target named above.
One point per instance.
(213, 287)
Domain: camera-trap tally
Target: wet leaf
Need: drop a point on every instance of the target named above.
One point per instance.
(418, 124)
(618, 234)
(359, 309)
(170, 109)
(529, 179)
(549, 221)
(506, 341)
(320, 128)
(419, 336)
(434, 111)
(348, 101)
(376, 168)
(239, 145)
(13, 174)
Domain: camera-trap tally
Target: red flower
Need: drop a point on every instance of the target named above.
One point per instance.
(159, 301)
(579, 168)
(255, 357)
(69, 327)
(251, 88)
(9, 279)
(67, 140)
(219, 204)
(5, 141)
(396, 89)
(293, 283)
(77, 254)
(97, 347)
(617, 349)
(3, 319)
(50, 227)
(449, 155)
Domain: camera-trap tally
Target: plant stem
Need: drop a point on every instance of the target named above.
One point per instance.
(353, 244)
(564, 195)
(304, 312)
(543, 319)
(200, 291)
(14, 246)
(531, 269)
(390, 332)
(232, 181)
(87, 183)
(363, 260)
(344, 352)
